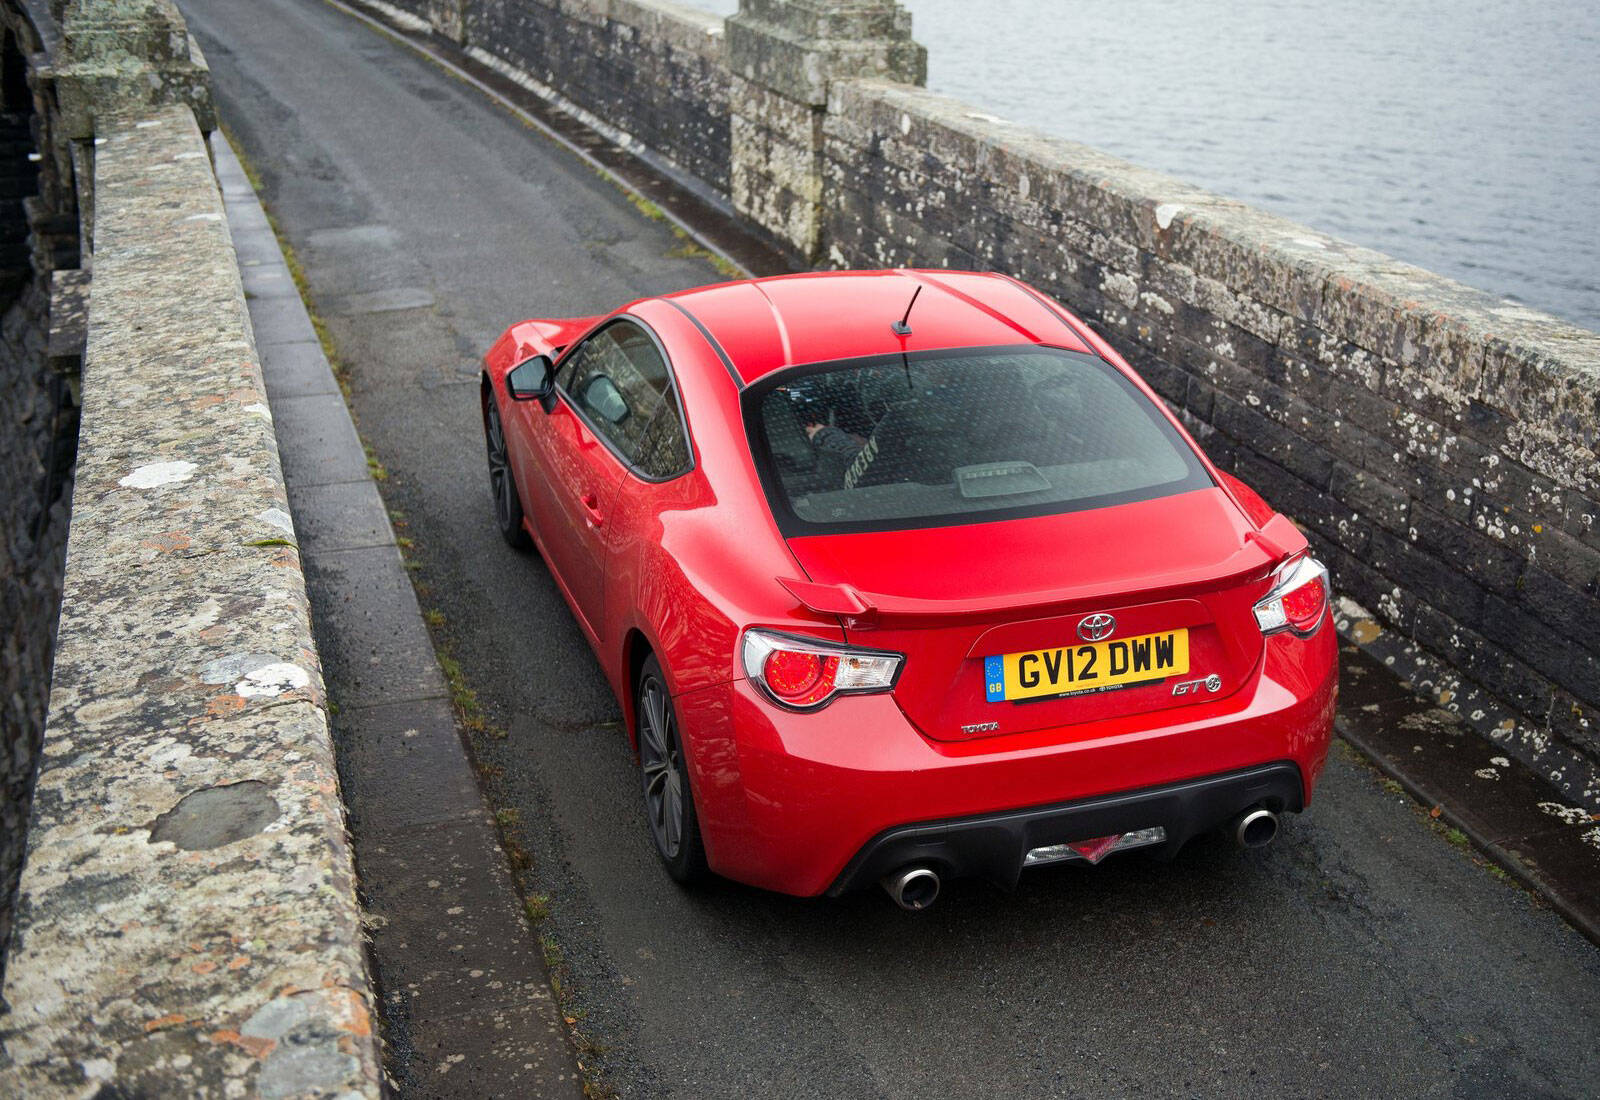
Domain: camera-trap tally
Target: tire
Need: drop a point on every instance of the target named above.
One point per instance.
(502, 484)
(664, 777)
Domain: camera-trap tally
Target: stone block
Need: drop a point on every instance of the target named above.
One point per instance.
(69, 319)
(1308, 461)
(1577, 721)
(118, 57)
(1537, 370)
(1491, 665)
(795, 47)
(1576, 563)
(1550, 653)
(1581, 518)
(1491, 563)
(1364, 492)
(1566, 611)
(1435, 583)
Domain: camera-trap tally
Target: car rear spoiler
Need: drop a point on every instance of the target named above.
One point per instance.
(1259, 552)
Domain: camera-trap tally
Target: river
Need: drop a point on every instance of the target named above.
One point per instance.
(1459, 135)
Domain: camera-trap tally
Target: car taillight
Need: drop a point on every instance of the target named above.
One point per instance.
(1298, 600)
(804, 674)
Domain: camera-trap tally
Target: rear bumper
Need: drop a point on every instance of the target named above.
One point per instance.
(993, 846)
(797, 802)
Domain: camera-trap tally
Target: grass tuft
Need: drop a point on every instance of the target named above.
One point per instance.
(376, 468)
(645, 206)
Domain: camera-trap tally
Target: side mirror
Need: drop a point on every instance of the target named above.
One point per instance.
(530, 379)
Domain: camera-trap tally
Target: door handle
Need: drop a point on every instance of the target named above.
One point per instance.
(591, 504)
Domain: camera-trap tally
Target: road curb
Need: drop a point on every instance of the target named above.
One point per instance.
(463, 985)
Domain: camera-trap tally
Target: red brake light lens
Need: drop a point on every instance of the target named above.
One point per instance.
(799, 678)
(1298, 600)
(1303, 606)
(802, 674)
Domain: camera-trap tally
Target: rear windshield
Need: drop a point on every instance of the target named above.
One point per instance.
(937, 438)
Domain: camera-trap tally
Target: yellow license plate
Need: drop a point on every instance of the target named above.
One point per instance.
(1080, 669)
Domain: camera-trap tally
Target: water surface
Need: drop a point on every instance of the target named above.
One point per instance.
(1459, 135)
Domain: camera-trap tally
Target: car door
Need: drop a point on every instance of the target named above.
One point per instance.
(613, 394)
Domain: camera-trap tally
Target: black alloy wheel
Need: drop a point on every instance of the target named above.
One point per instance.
(664, 772)
(507, 505)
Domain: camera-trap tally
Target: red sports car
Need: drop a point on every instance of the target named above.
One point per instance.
(904, 575)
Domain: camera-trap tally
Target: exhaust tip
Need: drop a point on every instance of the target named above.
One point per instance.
(912, 888)
(1255, 828)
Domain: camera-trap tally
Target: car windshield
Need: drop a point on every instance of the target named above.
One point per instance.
(935, 438)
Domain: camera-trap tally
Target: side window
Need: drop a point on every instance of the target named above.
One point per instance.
(620, 383)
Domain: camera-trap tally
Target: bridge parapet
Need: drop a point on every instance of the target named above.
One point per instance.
(187, 922)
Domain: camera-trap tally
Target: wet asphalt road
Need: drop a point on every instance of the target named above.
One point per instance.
(1363, 955)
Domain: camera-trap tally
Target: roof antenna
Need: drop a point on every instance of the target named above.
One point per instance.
(900, 328)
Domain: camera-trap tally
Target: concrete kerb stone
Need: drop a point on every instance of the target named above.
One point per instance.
(299, 370)
(207, 959)
(346, 515)
(255, 246)
(374, 643)
(268, 281)
(407, 769)
(280, 320)
(317, 440)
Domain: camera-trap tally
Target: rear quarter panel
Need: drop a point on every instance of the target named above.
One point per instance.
(700, 555)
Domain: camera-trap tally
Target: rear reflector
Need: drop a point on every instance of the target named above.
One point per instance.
(1298, 600)
(1093, 851)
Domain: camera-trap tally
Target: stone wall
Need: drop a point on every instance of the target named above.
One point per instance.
(37, 423)
(187, 922)
(649, 72)
(38, 433)
(1437, 444)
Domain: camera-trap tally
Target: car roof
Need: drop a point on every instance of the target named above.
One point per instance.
(763, 325)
